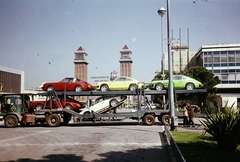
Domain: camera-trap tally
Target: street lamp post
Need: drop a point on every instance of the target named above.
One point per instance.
(161, 12)
(173, 120)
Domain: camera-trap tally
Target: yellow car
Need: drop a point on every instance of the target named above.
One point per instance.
(121, 83)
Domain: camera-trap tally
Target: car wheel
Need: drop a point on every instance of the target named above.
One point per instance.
(190, 86)
(78, 88)
(159, 86)
(69, 107)
(86, 113)
(50, 88)
(104, 88)
(53, 120)
(11, 121)
(148, 119)
(39, 107)
(113, 102)
(133, 87)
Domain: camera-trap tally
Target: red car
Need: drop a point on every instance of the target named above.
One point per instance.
(68, 84)
(69, 104)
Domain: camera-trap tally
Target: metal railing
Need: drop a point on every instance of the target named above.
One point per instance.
(174, 151)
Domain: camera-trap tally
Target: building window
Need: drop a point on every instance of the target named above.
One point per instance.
(216, 58)
(216, 71)
(231, 64)
(216, 65)
(232, 70)
(237, 57)
(231, 58)
(232, 81)
(224, 71)
(223, 57)
(224, 77)
(224, 82)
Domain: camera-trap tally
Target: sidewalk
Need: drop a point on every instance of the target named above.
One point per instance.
(198, 126)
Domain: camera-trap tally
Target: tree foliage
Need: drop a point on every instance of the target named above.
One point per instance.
(204, 76)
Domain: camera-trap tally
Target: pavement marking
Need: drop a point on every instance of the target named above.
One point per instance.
(20, 137)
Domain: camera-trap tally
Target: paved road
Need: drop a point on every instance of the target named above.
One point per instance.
(125, 141)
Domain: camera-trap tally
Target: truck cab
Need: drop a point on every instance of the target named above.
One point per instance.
(12, 107)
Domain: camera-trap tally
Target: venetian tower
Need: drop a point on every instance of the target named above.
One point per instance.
(126, 68)
(80, 66)
(125, 62)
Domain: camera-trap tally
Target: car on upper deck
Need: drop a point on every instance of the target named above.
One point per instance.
(121, 83)
(179, 82)
(67, 84)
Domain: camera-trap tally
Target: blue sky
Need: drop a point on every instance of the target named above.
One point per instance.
(40, 37)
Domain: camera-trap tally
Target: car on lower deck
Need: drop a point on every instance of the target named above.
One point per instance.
(68, 103)
(103, 105)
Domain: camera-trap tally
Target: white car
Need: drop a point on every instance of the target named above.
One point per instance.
(103, 105)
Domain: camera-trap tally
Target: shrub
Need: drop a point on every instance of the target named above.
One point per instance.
(224, 126)
(208, 110)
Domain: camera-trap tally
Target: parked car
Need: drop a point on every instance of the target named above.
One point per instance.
(68, 84)
(121, 83)
(103, 105)
(179, 82)
(69, 103)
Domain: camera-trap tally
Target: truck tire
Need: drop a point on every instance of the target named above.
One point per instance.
(53, 120)
(165, 119)
(11, 121)
(148, 119)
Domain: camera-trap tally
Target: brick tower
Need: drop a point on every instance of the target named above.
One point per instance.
(125, 62)
(80, 66)
(126, 68)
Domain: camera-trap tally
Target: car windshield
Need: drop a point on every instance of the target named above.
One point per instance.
(120, 79)
(77, 80)
(177, 77)
(67, 80)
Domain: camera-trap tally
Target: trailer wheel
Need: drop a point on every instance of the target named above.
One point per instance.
(11, 121)
(165, 119)
(53, 120)
(148, 119)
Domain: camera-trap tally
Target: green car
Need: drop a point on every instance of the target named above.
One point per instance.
(179, 82)
(121, 83)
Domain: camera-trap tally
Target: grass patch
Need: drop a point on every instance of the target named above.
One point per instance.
(196, 147)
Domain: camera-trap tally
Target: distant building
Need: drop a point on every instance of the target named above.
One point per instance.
(181, 57)
(81, 66)
(11, 80)
(126, 62)
(223, 60)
